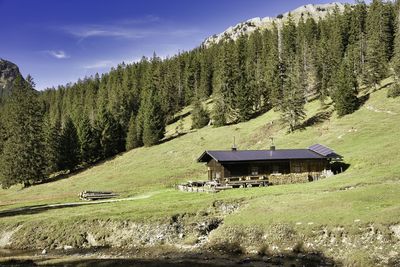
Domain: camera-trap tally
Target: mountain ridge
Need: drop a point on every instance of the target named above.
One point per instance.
(315, 11)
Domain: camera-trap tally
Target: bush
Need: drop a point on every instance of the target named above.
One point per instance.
(394, 91)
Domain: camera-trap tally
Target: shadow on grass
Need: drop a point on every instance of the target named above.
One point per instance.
(339, 167)
(172, 137)
(35, 209)
(318, 118)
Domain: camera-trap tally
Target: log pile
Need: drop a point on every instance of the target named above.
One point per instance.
(293, 178)
(93, 195)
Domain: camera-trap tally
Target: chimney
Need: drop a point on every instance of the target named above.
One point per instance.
(272, 147)
(234, 148)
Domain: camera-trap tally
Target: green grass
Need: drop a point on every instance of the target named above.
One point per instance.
(368, 140)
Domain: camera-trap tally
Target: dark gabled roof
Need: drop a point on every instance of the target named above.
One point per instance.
(264, 155)
(259, 155)
(325, 151)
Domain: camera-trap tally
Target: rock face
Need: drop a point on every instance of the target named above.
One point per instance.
(249, 26)
(8, 73)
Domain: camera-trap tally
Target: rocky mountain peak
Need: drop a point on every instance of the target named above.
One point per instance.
(315, 11)
(8, 73)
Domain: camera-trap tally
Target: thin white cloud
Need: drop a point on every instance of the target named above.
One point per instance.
(99, 64)
(144, 20)
(130, 28)
(59, 54)
(88, 31)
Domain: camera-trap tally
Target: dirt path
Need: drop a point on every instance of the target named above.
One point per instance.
(32, 209)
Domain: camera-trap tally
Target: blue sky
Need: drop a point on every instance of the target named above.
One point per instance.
(59, 41)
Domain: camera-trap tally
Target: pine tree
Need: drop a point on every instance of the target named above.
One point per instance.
(242, 90)
(394, 91)
(110, 134)
(22, 159)
(3, 133)
(292, 106)
(89, 141)
(53, 146)
(356, 48)
(228, 77)
(132, 136)
(396, 55)
(200, 117)
(345, 90)
(255, 69)
(219, 112)
(273, 90)
(378, 43)
(154, 121)
(151, 113)
(70, 147)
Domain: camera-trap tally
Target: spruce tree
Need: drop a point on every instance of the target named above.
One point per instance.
(151, 115)
(273, 90)
(378, 43)
(396, 53)
(242, 90)
(153, 122)
(70, 147)
(292, 106)
(356, 48)
(3, 133)
(89, 141)
(200, 117)
(23, 156)
(255, 69)
(219, 112)
(53, 146)
(394, 90)
(132, 136)
(110, 134)
(345, 90)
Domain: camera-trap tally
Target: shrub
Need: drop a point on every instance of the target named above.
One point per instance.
(394, 91)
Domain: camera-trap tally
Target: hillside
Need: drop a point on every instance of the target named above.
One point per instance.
(335, 216)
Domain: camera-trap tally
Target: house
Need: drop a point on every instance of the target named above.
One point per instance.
(274, 166)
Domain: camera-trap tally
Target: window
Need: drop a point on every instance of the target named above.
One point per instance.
(275, 169)
(296, 167)
(254, 170)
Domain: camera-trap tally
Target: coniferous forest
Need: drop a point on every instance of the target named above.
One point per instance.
(279, 68)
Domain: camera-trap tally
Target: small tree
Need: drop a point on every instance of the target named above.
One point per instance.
(200, 117)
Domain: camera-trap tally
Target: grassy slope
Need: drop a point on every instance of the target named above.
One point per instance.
(369, 141)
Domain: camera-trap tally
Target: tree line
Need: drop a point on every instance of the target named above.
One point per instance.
(281, 67)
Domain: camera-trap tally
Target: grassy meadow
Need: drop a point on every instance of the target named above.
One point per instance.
(368, 192)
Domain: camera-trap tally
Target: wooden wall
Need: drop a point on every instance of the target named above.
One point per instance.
(305, 167)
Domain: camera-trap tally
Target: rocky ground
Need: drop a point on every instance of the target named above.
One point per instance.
(201, 239)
